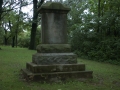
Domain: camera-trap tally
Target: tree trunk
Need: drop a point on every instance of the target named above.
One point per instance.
(34, 23)
(98, 27)
(5, 38)
(16, 37)
(5, 41)
(1, 3)
(17, 28)
(13, 41)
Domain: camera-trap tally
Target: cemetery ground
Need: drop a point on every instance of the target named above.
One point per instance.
(12, 60)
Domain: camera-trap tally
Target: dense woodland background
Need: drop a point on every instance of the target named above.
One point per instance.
(93, 27)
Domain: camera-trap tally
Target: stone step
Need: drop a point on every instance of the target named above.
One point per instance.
(54, 68)
(53, 48)
(56, 76)
(54, 58)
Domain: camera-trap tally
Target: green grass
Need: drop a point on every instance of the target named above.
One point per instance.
(12, 60)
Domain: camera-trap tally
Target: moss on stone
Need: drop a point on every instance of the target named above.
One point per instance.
(53, 48)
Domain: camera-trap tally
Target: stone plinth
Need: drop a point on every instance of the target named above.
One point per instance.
(56, 72)
(54, 58)
(54, 68)
(53, 48)
(56, 76)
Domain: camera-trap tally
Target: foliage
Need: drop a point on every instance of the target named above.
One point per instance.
(24, 39)
(13, 20)
(93, 29)
(11, 26)
(107, 50)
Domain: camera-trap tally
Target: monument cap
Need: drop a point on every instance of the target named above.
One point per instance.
(53, 6)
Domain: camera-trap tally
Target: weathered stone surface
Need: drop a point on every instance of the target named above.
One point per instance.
(54, 28)
(54, 58)
(56, 76)
(53, 48)
(54, 21)
(53, 6)
(54, 68)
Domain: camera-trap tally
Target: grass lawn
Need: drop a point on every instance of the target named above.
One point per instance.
(106, 76)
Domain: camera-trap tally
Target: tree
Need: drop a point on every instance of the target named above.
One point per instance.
(10, 27)
(34, 23)
(1, 3)
(99, 2)
(93, 29)
(17, 26)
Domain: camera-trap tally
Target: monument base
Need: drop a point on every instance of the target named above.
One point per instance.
(53, 48)
(54, 67)
(55, 73)
(54, 58)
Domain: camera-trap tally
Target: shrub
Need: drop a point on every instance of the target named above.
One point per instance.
(92, 46)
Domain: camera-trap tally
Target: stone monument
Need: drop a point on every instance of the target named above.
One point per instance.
(54, 59)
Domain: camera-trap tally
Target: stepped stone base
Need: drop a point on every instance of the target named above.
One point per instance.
(54, 58)
(54, 63)
(54, 68)
(56, 72)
